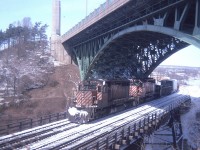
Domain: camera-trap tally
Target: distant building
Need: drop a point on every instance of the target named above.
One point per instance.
(57, 49)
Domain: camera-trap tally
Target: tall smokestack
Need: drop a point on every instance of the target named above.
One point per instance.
(56, 11)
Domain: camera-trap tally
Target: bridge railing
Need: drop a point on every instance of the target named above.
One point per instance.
(30, 123)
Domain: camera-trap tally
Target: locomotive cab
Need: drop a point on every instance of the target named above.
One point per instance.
(87, 94)
(88, 97)
(141, 89)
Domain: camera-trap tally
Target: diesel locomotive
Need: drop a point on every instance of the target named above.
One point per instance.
(97, 98)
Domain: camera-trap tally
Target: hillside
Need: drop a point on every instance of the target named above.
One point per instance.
(50, 98)
(31, 86)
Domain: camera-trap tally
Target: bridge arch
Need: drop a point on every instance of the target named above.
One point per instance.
(140, 66)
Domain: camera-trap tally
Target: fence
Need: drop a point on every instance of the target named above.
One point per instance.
(30, 123)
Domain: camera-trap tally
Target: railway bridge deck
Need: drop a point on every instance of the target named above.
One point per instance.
(117, 131)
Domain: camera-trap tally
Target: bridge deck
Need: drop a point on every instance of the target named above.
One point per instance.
(99, 13)
(100, 133)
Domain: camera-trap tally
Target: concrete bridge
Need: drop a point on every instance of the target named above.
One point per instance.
(130, 38)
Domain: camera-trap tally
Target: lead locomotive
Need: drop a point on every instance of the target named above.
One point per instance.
(97, 98)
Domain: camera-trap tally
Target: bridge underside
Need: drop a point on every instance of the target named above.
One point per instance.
(133, 55)
(134, 39)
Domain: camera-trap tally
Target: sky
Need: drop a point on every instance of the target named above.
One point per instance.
(72, 12)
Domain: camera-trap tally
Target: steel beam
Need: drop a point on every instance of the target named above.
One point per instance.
(196, 31)
(180, 16)
(134, 39)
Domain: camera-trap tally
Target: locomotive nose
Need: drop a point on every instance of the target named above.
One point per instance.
(78, 116)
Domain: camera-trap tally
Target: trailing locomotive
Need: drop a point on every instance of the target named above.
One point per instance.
(97, 98)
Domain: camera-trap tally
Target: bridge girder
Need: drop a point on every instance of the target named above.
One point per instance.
(134, 54)
(136, 47)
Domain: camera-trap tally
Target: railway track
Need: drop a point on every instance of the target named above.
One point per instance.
(66, 135)
(84, 138)
(26, 137)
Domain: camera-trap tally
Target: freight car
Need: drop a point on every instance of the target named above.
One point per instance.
(97, 98)
(166, 87)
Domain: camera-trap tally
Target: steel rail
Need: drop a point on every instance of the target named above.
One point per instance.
(29, 136)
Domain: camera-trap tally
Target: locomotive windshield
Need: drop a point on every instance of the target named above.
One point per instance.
(87, 87)
(136, 83)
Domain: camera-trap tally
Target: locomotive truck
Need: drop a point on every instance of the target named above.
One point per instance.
(97, 98)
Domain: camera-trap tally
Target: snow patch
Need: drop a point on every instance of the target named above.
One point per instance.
(57, 63)
(191, 126)
(74, 111)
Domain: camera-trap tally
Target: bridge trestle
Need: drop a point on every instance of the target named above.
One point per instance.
(136, 134)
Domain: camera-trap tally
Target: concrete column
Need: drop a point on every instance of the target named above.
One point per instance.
(56, 12)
